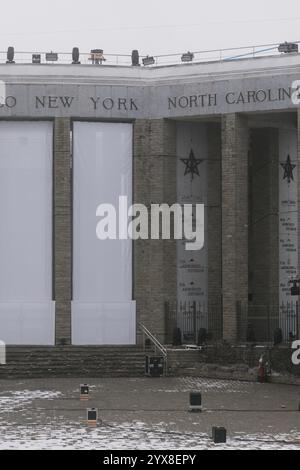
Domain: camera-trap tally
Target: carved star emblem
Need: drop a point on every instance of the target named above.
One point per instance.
(288, 170)
(191, 165)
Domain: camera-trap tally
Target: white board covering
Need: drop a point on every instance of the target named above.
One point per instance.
(102, 309)
(27, 312)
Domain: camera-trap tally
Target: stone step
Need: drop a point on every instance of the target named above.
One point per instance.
(72, 361)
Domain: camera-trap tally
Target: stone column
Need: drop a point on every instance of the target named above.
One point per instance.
(235, 145)
(214, 225)
(62, 219)
(154, 183)
(298, 169)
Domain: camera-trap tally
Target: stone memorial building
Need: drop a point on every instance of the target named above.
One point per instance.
(224, 134)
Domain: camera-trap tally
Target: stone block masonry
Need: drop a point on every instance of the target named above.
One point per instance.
(235, 145)
(154, 183)
(62, 220)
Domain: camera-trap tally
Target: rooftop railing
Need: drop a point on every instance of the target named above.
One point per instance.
(216, 55)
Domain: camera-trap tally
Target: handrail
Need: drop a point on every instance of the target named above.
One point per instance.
(154, 340)
(157, 345)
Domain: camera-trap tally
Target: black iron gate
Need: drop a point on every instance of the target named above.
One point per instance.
(262, 323)
(192, 320)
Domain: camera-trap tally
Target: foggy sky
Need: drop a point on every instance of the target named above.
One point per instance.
(155, 27)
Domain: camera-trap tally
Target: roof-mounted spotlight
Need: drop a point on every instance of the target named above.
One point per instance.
(36, 58)
(75, 55)
(135, 58)
(97, 56)
(51, 57)
(288, 47)
(187, 57)
(148, 60)
(10, 55)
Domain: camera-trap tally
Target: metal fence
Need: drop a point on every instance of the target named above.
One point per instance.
(195, 322)
(263, 323)
(198, 322)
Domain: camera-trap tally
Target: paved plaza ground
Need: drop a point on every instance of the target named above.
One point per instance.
(147, 414)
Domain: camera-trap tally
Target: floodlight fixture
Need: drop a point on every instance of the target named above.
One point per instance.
(51, 57)
(148, 60)
(36, 58)
(187, 57)
(75, 55)
(288, 47)
(135, 58)
(10, 55)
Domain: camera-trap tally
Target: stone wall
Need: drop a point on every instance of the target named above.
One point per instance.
(154, 183)
(234, 362)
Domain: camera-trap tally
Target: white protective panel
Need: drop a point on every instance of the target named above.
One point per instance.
(28, 323)
(102, 270)
(103, 323)
(26, 168)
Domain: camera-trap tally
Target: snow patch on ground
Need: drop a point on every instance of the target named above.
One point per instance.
(19, 399)
(137, 435)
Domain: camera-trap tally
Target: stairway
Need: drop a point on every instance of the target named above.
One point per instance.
(72, 361)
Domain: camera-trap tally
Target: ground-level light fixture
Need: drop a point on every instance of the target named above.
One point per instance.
(84, 392)
(75, 55)
(149, 60)
(135, 58)
(288, 47)
(278, 336)
(195, 402)
(10, 55)
(154, 366)
(187, 57)
(36, 58)
(219, 435)
(92, 417)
